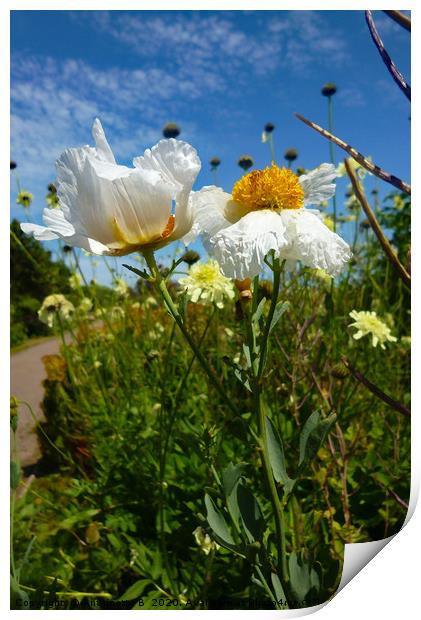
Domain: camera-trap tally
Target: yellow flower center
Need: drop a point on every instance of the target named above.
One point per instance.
(271, 188)
(206, 274)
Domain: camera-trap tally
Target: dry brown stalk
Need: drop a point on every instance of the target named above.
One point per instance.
(365, 163)
(374, 389)
(384, 241)
(390, 65)
(400, 18)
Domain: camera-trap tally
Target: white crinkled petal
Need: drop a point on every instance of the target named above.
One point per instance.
(209, 207)
(175, 159)
(107, 208)
(103, 149)
(241, 248)
(41, 233)
(179, 165)
(312, 243)
(57, 227)
(318, 184)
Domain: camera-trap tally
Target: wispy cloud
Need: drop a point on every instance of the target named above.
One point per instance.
(54, 104)
(215, 48)
(177, 62)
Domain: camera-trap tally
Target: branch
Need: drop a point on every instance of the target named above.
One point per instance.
(384, 241)
(376, 390)
(400, 18)
(391, 67)
(365, 163)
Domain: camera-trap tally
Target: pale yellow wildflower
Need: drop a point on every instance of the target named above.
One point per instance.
(204, 541)
(54, 306)
(367, 323)
(206, 284)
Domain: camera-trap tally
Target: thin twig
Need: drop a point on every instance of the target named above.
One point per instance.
(390, 65)
(398, 499)
(376, 390)
(400, 18)
(384, 241)
(365, 163)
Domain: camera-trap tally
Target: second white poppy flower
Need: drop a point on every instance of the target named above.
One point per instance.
(267, 211)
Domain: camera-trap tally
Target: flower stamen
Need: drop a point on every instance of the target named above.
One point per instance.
(272, 188)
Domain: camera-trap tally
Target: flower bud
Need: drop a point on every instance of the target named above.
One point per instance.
(214, 162)
(329, 89)
(13, 164)
(24, 198)
(190, 257)
(243, 285)
(171, 130)
(339, 371)
(291, 154)
(269, 127)
(245, 162)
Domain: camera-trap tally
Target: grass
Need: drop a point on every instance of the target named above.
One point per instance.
(142, 448)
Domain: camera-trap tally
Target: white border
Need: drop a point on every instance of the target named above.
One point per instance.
(388, 585)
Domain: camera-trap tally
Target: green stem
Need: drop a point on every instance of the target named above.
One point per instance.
(266, 587)
(273, 302)
(272, 147)
(277, 507)
(172, 308)
(332, 157)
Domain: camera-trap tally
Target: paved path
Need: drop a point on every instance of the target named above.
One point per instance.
(26, 376)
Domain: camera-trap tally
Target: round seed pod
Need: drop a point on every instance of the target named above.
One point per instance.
(13, 164)
(245, 162)
(328, 89)
(339, 371)
(171, 130)
(291, 154)
(269, 127)
(215, 162)
(190, 257)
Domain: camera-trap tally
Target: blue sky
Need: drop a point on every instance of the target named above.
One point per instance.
(221, 75)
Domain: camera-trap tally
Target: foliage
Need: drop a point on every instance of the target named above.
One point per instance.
(33, 276)
(140, 449)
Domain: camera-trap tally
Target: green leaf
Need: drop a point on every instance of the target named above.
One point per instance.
(143, 274)
(279, 591)
(239, 372)
(247, 355)
(217, 522)
(313, 435)
(303, 577)
(279, 310)
(14, 475)
(259, 311)
(243, 378)
(135, 590)
(231, 475)
(250, 513)
(276, 454)
(84, 515)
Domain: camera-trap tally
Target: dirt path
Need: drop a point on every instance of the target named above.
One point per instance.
(26, 375)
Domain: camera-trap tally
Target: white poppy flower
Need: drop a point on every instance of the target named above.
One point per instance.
(266, 211)
(106, 208)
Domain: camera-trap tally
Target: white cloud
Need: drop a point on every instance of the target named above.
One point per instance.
(54, 103)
